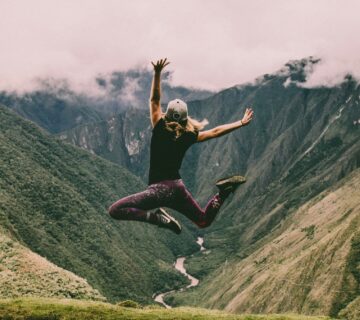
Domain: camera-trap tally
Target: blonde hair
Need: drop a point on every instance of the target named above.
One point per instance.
(190, 125)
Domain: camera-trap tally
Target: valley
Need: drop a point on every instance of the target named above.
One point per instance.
(286, 241)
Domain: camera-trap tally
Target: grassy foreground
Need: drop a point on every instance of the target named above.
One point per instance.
(54, 309)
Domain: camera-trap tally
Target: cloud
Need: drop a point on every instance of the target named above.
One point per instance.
(128, 93)
(332, 71)
(211, 44)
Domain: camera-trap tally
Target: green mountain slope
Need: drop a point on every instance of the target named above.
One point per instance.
(305, 266)
(123, 139)
(53, 199)
(301, 142)
(54, 109)
(24, 273)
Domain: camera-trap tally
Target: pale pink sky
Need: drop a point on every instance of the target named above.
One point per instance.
(211, 43)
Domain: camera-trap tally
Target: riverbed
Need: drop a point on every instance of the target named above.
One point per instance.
(179, 265)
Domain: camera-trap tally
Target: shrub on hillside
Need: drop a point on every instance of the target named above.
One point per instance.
(129, 304)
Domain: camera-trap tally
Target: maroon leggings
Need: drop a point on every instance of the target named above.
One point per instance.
(171, 194)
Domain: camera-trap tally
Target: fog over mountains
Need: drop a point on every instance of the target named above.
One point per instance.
(57, 107)
(287, 241)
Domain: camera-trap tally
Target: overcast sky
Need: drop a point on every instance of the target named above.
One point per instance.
(211, 43)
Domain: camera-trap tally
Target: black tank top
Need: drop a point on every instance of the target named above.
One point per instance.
(167, 153)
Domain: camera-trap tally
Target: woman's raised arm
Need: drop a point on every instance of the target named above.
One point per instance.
(226, 128)
(155, 106)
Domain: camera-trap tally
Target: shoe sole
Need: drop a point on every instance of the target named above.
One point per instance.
(172, 219)
(230, 181)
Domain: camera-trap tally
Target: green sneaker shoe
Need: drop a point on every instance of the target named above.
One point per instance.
(229, 185)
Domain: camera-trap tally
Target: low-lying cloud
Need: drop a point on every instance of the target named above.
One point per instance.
(211, 44)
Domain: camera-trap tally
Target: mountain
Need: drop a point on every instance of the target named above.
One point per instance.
(53, 108)
(123, 139)
(53, 200)
(302, 145)
(302, 142)
(132, 88)
(308, 265)
(57, 107)
(26, 274)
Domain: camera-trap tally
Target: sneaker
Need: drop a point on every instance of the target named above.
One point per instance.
(165, 220)
(228, 185)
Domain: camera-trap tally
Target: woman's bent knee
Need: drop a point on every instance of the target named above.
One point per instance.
(113, 212)
(202, 224)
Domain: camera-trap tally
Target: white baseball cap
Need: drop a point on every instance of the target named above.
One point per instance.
(176, 111)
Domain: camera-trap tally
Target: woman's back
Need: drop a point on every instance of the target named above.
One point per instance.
(167, 152)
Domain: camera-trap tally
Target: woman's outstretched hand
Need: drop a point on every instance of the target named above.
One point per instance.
(160, 64)
(247, 116)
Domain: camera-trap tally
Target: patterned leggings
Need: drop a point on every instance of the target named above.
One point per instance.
(169, 193)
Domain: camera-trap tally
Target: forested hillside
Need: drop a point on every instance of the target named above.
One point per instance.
(54, 199)
(24, 273)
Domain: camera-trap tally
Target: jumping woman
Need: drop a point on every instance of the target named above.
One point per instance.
(172, 134)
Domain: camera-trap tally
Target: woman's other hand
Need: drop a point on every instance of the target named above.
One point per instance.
(160, 64)
(247, 116)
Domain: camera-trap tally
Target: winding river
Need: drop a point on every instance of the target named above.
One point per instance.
(179, 265)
